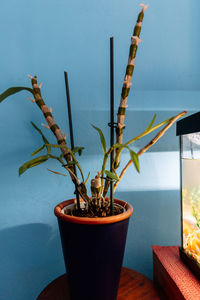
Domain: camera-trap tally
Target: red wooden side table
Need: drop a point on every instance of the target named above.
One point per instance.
(173, 276)
(133, 285)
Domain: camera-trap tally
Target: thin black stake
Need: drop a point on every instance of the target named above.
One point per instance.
(111, 115)
(71, 131)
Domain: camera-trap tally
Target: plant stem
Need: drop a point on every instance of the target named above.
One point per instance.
(142, 135)
(150, 144)
(105, 159)
(127, 83)
(57, 132)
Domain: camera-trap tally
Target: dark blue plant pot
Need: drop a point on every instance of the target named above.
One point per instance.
(93, 250)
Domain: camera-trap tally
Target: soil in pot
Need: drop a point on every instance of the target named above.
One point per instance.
(94, 209)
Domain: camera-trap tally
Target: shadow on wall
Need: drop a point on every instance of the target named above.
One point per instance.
(30, 259)
(155, 221)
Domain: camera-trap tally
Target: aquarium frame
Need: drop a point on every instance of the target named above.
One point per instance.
(190, 124)
(181, 199)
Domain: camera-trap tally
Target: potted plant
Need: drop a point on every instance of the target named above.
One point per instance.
(93, 227)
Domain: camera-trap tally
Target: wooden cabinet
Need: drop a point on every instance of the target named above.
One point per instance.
(173, 276)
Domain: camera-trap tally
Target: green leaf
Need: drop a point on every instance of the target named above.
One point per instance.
(32, 163)
(103, 141)
(151, 123)
(72, 162)
(60, 146)
(87, 177)
(43, 137)
(57, 173)
(38, 150)
(78, 149)
(135, 160)
(111, 175)
(14, 90)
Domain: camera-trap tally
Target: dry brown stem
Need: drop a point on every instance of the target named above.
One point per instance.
(150, 144)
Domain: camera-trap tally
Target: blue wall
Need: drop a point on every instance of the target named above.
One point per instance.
(47, 37)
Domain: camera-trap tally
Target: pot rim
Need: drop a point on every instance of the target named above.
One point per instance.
(97, 220)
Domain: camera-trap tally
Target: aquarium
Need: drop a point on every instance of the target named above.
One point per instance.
(189, 131)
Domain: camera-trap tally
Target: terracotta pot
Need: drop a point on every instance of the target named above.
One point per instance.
(93, 250)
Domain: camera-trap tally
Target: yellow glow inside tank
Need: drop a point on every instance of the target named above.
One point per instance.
(190, 165)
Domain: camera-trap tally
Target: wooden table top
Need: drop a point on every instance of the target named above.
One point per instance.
(133, 285)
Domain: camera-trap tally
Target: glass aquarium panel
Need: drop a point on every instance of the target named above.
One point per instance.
(190, 164)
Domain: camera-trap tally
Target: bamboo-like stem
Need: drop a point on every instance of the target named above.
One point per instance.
(150, 144)
(58, 134)
(127, 82)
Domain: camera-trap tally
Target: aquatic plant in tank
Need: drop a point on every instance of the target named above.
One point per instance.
(189, 131)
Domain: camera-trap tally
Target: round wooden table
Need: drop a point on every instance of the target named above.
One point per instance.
(133, 285)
